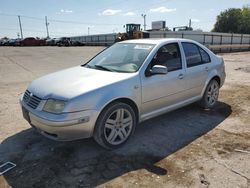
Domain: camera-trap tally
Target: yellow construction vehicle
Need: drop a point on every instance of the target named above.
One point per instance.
(133, 31)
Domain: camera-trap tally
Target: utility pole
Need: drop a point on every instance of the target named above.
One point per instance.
(144, 18)
(88, 30)
(47, 26)
(20, 25)
(190, 23)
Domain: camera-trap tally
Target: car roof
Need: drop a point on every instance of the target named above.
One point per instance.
(29, 38)
(157, 40)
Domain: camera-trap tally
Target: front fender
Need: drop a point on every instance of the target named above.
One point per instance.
(99, 98)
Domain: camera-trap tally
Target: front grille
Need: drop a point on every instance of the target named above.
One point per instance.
(31, 100)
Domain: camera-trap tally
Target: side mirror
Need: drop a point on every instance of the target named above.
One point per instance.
(158, 69)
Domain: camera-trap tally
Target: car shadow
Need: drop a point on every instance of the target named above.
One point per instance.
(45, 163)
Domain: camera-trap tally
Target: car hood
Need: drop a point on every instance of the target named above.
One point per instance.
(73, 82)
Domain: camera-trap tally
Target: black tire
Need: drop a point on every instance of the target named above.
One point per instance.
(205, 102)
(99, 132)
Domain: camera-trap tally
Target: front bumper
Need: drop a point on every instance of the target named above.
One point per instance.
(62, 127)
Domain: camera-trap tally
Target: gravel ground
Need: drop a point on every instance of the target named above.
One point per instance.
(189, 147)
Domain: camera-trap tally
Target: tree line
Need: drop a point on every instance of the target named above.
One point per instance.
(233, 20)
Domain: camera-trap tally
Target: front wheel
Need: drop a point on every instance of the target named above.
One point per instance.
(211, 95)
(115, 125)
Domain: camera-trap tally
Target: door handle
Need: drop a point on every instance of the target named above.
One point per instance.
(181, 76)
(206, 68)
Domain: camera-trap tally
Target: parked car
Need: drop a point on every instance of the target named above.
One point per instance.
(4, 42)
(125, 84)
(31, 41)
(77, 43)
(51, 42)
(14, 42)
(63, 41)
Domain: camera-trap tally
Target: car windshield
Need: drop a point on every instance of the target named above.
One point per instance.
(121, 57)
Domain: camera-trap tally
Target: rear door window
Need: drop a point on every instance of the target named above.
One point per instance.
(192, 54)
(195, 55)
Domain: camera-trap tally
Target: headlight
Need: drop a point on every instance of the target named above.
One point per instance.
(54, 106)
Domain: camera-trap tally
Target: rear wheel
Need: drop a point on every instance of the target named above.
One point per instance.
(115, 125)
(211, 95)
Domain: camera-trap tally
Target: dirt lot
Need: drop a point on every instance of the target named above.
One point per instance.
(189, 147)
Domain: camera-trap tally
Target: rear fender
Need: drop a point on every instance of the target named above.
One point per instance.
(211, 75)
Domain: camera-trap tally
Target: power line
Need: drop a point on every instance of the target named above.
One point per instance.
(10, 29)
(4, 14)
(38, 31)
(33, 18)
(61, 21)
(83, 23)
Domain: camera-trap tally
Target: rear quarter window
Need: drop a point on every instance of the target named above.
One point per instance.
(204, 56)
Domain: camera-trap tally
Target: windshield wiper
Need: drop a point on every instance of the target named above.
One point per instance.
(104, 68)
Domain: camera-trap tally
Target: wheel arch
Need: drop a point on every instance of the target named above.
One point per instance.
(217, 78)
(125, 100)
(203, 102)
(97, 131)
(211, 77)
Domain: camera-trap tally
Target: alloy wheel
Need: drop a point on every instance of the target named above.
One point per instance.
(212, 93)
(118, 126)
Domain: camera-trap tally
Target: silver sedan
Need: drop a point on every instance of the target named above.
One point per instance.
(122, 86)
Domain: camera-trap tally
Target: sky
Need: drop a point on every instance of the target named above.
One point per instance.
(80, 17)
